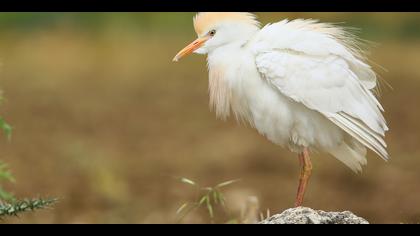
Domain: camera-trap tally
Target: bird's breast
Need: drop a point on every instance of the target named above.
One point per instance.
(219, 91)
(230, 86)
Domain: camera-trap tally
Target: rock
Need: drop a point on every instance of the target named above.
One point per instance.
(305, 215)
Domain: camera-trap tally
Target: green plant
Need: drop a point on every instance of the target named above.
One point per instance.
(7, 129)
(9, 204)
(18, 206)
(206, 197)
(5, 175)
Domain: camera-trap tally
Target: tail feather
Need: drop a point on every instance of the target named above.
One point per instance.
(361, 133)
(365, 128)
(354, 157)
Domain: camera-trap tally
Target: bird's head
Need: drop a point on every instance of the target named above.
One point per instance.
(215, 29)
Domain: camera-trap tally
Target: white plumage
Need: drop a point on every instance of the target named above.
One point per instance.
(302, 84)
(317, 69)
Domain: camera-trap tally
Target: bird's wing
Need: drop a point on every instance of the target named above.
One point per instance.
(307, 62)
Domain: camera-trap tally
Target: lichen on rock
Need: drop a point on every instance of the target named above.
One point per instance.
(305, 215)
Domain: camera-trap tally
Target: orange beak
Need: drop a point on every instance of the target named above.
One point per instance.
(190, 48)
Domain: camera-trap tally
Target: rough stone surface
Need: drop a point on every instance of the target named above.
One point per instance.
(304, 215)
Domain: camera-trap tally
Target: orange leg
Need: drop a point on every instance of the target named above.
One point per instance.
(305, 173)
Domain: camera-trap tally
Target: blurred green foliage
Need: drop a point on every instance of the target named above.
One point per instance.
(7, 129)
(5, 175)
(394, 25)
(93, 21)
(207, 197)
(9, 204)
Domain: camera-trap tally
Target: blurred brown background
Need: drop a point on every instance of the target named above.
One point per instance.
(104, 120)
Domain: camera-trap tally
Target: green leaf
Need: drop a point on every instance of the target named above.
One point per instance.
(187, 210)
(227, 183)
(188, 181)
(215, 197)
(5, 174)
(202, 200)
(181, 208)
(221, 199)
(210, 208)
(6, 196)
(7, 129)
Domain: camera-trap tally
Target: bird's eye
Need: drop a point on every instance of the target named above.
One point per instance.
(212, 32)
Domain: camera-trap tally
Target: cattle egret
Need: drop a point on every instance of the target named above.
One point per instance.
(303, 84)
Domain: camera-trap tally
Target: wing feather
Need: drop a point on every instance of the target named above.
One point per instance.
(318, 65)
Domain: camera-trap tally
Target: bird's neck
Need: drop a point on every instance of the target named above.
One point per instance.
(223, 63)
(227, 52)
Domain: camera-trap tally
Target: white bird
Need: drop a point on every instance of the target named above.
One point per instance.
(302, 84)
